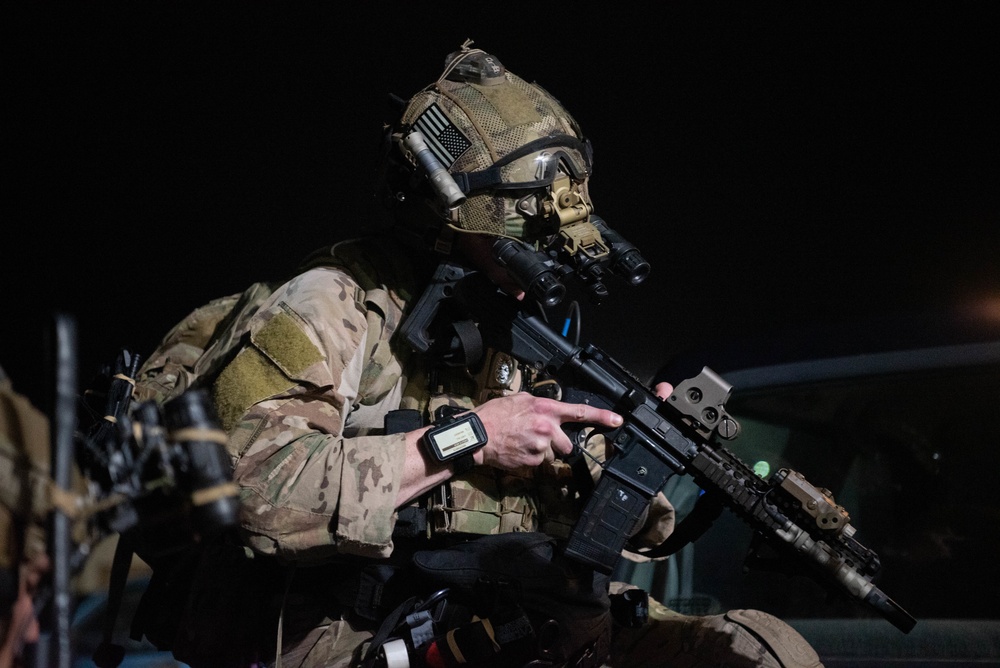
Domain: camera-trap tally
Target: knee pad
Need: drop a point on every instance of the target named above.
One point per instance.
(782, 641)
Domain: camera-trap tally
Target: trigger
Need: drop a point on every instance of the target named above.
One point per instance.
(547, 388)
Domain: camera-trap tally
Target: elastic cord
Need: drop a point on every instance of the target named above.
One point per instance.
(491, 179)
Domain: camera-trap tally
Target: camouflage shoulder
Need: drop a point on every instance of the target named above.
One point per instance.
(375, 262)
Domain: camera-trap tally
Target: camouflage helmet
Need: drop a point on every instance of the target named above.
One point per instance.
(508, 144)
(494, 154)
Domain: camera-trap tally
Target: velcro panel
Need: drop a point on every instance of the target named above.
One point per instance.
(280, 352)
(251, 377)
(512, 105)
(287, 345)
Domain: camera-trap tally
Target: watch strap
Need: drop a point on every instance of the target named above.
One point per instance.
(446, 416)
(463, 464)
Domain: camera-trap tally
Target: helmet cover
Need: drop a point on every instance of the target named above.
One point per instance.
(503, 139)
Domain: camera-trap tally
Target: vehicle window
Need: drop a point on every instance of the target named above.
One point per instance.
(914, 459)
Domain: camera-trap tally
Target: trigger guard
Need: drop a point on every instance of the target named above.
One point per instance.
(580, 432)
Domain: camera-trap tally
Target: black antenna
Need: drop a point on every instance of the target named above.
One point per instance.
(63, 439)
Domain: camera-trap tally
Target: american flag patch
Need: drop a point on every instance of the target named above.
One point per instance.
(446, 141)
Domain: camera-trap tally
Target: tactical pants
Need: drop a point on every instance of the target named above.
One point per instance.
(738, 638)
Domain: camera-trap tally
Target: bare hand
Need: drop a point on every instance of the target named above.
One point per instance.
(525, 430)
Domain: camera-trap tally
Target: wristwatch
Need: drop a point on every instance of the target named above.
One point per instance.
(454, 439)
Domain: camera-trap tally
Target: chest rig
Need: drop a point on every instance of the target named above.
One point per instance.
(457, 371)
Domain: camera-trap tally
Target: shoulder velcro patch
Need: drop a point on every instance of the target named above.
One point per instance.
(280, 352)
(287, 345)
(251, 377)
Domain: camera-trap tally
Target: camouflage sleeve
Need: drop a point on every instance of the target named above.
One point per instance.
(657, 528)
(28, 495)
(311, 486)
(24, 477)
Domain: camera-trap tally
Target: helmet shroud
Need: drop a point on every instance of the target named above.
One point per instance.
(501, 138)
(482, 151)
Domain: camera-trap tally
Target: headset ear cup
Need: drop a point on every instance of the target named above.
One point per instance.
(391, 171)
(402, 195)
(395, 184)
(382, 179)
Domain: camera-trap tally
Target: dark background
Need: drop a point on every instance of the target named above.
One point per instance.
(792, 172)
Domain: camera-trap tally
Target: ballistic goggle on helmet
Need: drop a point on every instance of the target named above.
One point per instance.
(502, 157)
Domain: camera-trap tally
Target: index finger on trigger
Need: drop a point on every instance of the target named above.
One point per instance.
(592, 415)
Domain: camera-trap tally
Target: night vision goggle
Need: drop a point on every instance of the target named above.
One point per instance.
(572, 241)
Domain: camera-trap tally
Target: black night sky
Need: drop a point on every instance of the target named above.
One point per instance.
(787, 168)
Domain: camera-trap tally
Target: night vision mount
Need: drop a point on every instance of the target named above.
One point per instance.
(587, 249)
(589, 252)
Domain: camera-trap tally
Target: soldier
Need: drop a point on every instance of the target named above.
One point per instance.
(24, 560)
(405, 506)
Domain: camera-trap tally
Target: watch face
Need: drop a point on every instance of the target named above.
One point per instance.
(455, 439)
(450, 440)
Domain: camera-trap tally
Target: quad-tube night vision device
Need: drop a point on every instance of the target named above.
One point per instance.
(491, 153)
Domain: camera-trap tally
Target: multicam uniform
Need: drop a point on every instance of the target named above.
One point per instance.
(28, 496)
(304, 402)
(24, 506)
(24, 477)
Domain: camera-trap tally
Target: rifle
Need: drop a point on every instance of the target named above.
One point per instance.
(658, 439)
